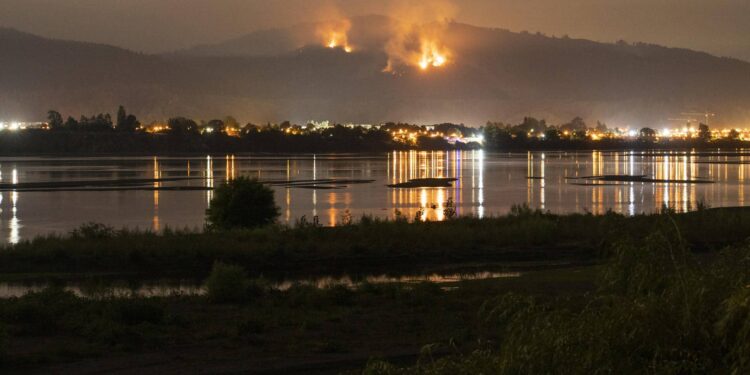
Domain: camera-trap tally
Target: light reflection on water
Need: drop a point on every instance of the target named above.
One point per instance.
(488, 184)
(170, 288)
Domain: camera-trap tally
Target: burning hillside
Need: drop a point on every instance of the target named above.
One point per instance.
(336, 34)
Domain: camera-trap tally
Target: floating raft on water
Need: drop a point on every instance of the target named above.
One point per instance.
(613, 179)
(425, 182)
(323, 184)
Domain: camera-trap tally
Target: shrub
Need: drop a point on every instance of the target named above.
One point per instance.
(242, 203)
(227, 284)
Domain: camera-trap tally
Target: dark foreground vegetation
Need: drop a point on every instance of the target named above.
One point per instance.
(367, 245)
(662, 293)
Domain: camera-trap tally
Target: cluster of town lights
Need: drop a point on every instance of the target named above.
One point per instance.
(16, 126)
(410, 136)
(666, 133)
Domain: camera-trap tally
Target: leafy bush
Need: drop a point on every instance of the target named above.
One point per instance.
(242, 203)
(227, 284)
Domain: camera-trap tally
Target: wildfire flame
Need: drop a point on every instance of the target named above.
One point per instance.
(337, 40)
(432, 55)
(420, 46)
(335, 35)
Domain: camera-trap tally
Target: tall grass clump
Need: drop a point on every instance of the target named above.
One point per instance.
(230, 284)
(242, 203)
(93, 231)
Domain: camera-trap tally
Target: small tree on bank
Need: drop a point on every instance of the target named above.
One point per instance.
(242, 203)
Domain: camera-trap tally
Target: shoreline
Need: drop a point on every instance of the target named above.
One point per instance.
(366, 246)
(375, 154)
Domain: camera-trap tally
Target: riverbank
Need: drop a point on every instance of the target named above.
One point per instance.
(366, 246)
(33, 143)
(299, 330)
(667, 289)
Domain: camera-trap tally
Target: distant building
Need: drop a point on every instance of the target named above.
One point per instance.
(320, 125)
(363, 126)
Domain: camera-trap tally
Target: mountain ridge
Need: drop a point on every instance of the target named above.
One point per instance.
(496, 75)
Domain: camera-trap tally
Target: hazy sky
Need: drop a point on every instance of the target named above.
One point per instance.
(717, 26)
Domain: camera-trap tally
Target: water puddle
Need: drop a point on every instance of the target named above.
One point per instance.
(165, 288)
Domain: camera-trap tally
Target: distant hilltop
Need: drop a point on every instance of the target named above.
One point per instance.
(356, 72)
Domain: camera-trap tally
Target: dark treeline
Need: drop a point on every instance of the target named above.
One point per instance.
(101, 134)
(536, 134)
(124, 134)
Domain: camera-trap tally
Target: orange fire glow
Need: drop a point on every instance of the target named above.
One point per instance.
(432, 55)
(339, 40)
(418, 45)
(336, 35)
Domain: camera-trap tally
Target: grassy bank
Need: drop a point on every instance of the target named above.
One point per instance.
(300, 330)
(668, 294)
(366, 246)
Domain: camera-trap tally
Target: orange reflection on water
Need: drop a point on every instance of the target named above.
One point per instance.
(429, 203)
(157, 184)
(677, 195)
(208, 176)
(540, 179)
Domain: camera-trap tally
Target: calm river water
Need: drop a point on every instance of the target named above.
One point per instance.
(43, 195)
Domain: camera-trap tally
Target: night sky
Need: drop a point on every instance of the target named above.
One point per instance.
(718, 26)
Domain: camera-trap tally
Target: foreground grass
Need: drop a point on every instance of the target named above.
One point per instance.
(657, 309)
(669, 295)
(335, 328)
(369, 245)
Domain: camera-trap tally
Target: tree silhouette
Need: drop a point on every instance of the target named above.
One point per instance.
(215, 126)
(552, 134)
(55, 120)
(647, 134)
(733, 135)
(182, 125)
(574, 125)
(125, 122)
(242, 203)
(704, 132)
